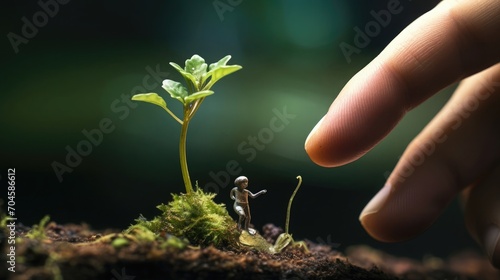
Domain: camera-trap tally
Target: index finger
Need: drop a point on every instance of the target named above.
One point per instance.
(452, 41)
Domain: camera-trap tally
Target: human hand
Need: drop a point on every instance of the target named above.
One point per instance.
(458, 151)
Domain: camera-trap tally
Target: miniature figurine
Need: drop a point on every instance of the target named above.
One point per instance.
(240, 196)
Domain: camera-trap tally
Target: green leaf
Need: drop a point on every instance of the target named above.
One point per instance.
(177, 67)
(176, 90)
(152, 98)
(214, 66)
(217, 71)
(196, 66)
(187, 76)
(220, 63)
(220, 72)
(198, 95)
(155, 99)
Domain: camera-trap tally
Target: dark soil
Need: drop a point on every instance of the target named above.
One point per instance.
(68, 253)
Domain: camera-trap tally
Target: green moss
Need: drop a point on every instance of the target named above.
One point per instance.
(174, 242)
(157, 225)
(142, 233)
(198, 218)
(38, 231)
(195, 217)
(3, 220)
(120, 242)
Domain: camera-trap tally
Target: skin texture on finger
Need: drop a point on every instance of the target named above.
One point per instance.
(459, 145)
(482, 214)
(453, 41)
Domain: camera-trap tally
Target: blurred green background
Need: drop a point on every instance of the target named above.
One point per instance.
(84, 63)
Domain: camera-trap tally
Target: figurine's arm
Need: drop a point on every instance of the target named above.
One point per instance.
(257, 194)
(232, 194)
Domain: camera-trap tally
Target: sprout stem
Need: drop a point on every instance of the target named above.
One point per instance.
(287, 224)
(182, 152)
(173, 116)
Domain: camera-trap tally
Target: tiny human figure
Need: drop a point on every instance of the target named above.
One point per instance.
(240, 196)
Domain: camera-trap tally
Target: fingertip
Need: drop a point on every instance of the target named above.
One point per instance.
(372, 225)
(311, 138)
(405, 208)
(363, 113)
(376, 202)
(382, 229)
(315, 148)
(378, 221)
(326, 144)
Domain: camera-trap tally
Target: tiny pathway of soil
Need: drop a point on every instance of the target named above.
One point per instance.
(72, 252)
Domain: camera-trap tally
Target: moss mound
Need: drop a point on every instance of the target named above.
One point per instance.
(197, 218)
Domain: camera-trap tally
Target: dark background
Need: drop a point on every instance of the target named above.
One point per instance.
(75, 70)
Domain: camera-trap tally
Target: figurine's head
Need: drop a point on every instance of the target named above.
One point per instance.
(241, 182)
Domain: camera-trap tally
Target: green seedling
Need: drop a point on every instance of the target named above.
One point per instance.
(199, 82)
(193, 215)
(286, 238)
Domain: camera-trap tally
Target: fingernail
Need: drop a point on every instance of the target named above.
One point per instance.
(313, 131)
(490, 243)
(377, 202)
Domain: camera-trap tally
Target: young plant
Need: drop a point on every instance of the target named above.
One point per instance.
(193, 215)
(199, 81)
(286, 238)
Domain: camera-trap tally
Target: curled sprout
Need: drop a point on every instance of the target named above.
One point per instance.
(286, 238)
(288, 210)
